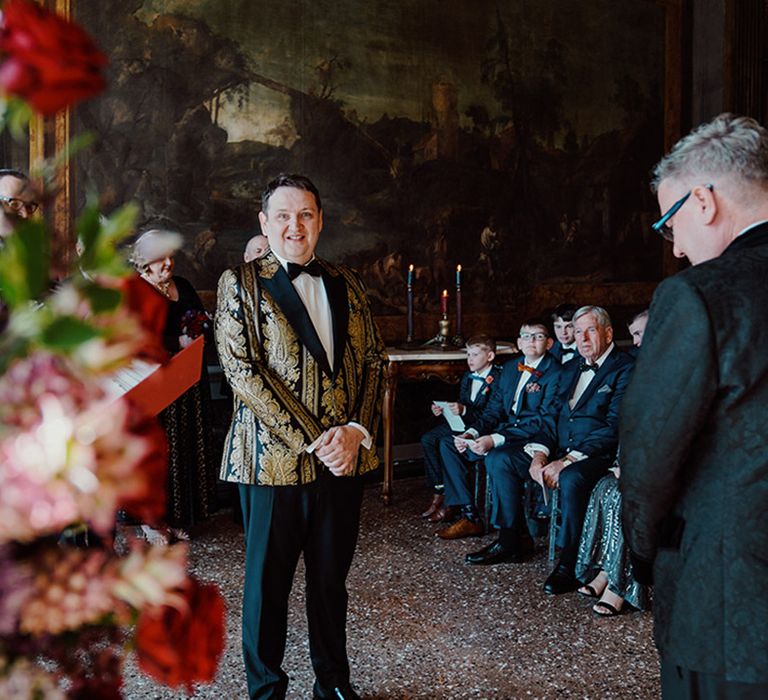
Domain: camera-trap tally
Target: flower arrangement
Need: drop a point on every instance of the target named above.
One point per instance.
(71, 455)
(195, 323)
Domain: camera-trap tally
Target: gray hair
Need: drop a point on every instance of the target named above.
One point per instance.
(727, 145)
(152, 245)
(603, 319)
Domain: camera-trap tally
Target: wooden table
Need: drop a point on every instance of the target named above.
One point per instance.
(417, 365)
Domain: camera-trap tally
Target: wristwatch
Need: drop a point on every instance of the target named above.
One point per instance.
(567, 461)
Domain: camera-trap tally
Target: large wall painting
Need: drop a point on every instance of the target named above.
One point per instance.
(514, 138)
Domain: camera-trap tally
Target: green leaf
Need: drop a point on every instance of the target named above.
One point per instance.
(15, 115)
(24, 263)
(102, 299)
(66, 333)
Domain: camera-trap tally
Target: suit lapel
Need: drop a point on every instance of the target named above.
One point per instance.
(282, 291)
(336, 289)
(543, 367)
(597, 380)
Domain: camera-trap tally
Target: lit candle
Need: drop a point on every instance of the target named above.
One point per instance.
(444, 302)
(458, 302)
(409, 313)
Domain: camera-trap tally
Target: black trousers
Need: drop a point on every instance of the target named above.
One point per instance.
(321, 521)
(430, 446)
(458, 491)
(679, 683)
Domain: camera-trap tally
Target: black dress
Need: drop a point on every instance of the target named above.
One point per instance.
(191, 484)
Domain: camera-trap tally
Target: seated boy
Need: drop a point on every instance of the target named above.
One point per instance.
(525, 400)
(564, 348)
(475, 390)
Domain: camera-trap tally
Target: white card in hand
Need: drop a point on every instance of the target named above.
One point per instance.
(455, 422)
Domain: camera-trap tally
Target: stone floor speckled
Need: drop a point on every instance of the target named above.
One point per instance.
(422, 625)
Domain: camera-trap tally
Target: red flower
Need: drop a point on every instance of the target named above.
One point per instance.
(182, 646)
(489, 379)
(50, 62)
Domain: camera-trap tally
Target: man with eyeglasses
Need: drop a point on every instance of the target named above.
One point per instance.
(694, 444)
(17, 199)
(693, 433)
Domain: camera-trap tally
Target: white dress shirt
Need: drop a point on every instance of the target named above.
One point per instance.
(312, 292)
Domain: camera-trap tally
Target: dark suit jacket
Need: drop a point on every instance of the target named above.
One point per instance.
(694, 453)
(557, 351)
(536, 405)
(476, 407)
(286, 393)
(592, 426)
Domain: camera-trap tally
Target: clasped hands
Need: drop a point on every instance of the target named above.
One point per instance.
(544, 472)
(338, 448)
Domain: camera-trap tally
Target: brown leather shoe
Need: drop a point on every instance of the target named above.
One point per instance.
(444, 514)
(437, 502)
(461, 528)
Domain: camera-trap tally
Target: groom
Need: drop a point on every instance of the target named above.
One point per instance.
(303, 356)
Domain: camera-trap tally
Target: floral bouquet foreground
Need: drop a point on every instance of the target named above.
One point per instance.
(72, 455)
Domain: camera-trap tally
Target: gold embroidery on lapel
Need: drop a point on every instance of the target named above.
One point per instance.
(280, 343)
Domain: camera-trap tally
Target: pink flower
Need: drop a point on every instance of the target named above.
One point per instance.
(72, 588)
(15, 586)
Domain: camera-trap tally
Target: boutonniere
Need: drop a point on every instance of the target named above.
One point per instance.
(538, 374)
(488, 382)
(533, 387)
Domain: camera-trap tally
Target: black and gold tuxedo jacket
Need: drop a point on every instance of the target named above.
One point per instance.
(285, 391)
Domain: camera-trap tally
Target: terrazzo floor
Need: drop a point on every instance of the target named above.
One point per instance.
(423, 625)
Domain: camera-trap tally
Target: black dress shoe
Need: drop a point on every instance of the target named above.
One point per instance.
(561, 580)
(344, 692)
(495, 554)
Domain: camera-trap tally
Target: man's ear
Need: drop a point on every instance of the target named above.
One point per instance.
(705, 202)
(263, 222)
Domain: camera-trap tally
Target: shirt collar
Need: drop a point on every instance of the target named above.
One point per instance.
(601, 359)
(751, 226)
(485, 372)
(285, 262)
(534, 364)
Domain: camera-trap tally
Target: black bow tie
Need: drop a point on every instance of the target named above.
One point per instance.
(585, 366)
(311, 268)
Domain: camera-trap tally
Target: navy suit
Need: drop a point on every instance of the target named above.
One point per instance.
(430, 441)
(536, 407)
(590, 427)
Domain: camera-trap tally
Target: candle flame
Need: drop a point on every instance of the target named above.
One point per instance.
(410, 268)
(458, 268)
(445, 292)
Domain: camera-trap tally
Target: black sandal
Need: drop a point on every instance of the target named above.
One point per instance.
(589, 593)
(602, 605)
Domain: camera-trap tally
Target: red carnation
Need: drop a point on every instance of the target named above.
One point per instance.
(182, 646)
(48, 61)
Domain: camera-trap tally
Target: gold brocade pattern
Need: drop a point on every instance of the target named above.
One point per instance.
(279, 383)
(280, 343)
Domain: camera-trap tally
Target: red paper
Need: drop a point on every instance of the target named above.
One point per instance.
(170, 380)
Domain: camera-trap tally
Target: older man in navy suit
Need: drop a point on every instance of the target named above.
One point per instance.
(517, 410)
(585, 439)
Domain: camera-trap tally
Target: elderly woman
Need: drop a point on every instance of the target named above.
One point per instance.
(191, 482)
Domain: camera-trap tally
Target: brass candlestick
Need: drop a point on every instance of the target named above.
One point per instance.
(445, 332)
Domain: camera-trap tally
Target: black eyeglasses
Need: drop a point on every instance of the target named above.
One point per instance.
(16, 205)
(661, 227)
